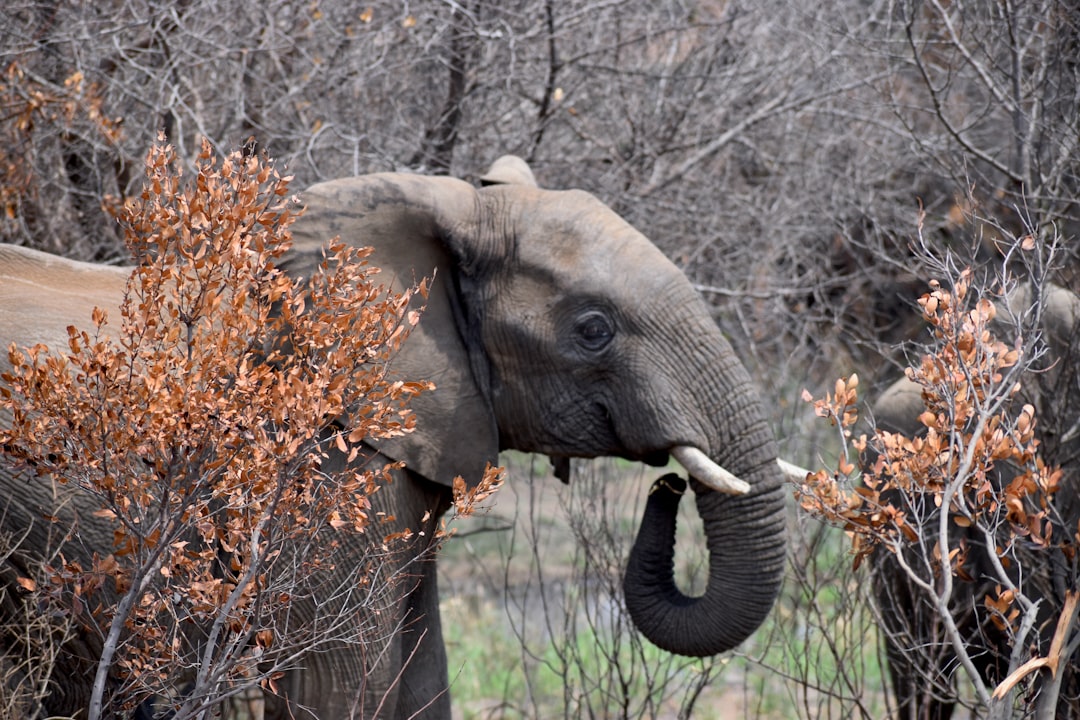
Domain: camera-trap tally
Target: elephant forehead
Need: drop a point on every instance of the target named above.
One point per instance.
(593, 249)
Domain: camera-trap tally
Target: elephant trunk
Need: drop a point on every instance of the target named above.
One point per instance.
(745, 537)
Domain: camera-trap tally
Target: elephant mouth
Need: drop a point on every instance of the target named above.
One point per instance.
(660, 458)
(560, 464)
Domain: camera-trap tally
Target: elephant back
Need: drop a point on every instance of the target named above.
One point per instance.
(40, 296)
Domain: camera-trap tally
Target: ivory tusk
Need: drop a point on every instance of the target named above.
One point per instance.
(793, 472)
(707, 472)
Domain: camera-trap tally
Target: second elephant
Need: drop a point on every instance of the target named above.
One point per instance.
(921, 659)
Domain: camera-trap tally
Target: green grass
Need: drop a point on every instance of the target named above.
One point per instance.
(533, 627)
(485, 661)
(587, 673)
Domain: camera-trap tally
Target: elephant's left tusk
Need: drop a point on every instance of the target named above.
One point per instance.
(794, 473)
(707, 472)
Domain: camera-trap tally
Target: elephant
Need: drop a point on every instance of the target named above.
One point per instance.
(551, 326)
(921, 660)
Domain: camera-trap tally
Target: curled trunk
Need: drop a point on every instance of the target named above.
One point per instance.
(745, 537)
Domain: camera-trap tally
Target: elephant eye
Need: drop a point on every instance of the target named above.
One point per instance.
(594, 331)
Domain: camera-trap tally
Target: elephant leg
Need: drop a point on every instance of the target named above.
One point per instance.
(398, 666)
(350, 681)
(424, 689)
(410, 681)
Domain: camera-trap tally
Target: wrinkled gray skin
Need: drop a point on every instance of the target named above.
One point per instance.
(909, 622)
(552, 327)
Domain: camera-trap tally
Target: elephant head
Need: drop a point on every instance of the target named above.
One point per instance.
(553, 326)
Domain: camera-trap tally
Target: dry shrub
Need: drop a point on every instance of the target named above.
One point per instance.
(201, 422)
(963, 517)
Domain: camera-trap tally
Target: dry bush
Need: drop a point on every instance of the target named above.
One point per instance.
(200, 422)
(39, 115)
(31, 636)
(966, 519)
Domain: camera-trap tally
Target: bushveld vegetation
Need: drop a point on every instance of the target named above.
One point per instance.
(813, 166)
(966, 509)
(199, 422)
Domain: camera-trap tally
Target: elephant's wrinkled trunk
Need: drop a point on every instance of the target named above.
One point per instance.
(745, 537)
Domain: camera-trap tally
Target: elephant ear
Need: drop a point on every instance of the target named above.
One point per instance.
(417, 226)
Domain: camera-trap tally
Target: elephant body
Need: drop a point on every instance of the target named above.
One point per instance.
(921, 659)
(64, 293)
(551, 326)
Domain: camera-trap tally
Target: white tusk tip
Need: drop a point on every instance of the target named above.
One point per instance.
(791, 471)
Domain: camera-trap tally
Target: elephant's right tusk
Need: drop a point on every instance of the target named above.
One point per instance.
(794, 473)
(707, 472)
